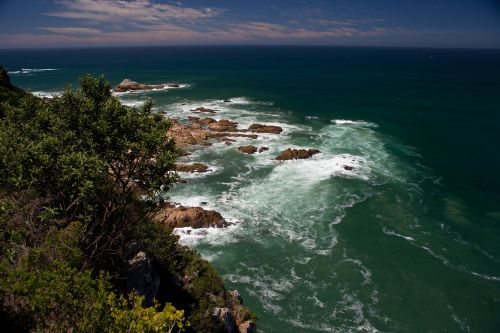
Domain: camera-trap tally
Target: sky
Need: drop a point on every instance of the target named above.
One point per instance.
(405, 23)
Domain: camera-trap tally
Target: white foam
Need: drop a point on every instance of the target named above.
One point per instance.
(353, 122)
(29, 71)
(47, 94)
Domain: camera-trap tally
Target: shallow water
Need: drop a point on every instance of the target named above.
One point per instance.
(406, 241)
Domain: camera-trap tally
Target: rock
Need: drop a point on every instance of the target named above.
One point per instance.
(206, 121)
(228, 139)
(142, 278)
(348, 167)
(236, 295)
(227, 101)
(195, 167)
(294, 154)
(129, 85)
(247, 149)
(259, 128)
(225, 316)
(195, 217)
(193, 119)
(173, 85)
(186, 135)
(4, 78)
(223, 125)
(227, 143)
(247, 327)
(203, 109)
(262, 149)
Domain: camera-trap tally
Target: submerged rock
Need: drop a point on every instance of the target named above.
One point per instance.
(195, 167)
(260, 128)
(129, 85)
(263, 149)
(348, 167)
(294, 154)
(247, 149)
(195, 217)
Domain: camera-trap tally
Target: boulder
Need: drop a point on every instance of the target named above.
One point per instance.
(260, 128)
(195, 167)
(195, 217)
(129, 85)
(348, 167)
(142, 278)
(203, 109)
(294, 154)
(223, 125)
(263, 149)
(193, 119)
(247, 149)
(247, 327)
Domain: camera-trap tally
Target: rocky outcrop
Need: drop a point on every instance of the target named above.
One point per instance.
(225, 316)
(247, 149)
(142, 278)
(194, 167)
(129, 85)
(294, 154)
(260, 128)
(195, 217)
(223, 125)
(203, 109)
(4, 78)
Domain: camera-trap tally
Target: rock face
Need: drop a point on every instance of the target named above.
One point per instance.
(195, 217)
(247, 149)
(142, 278)
(129, 85)
(259, 128)
(225, 316)
(4, 78)
(195, 167)
(294, 154)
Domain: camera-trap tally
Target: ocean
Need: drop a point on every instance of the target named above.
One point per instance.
(406, 241)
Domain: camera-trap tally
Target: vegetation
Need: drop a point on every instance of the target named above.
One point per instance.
(72, 172)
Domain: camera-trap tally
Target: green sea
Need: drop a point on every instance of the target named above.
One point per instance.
(393, 227)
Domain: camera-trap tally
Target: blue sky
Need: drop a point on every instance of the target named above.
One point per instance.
(433, 23)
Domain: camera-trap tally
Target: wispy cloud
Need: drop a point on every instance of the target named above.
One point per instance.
(72, 30)
(129, 10)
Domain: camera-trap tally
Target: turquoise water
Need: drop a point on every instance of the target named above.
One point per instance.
(408, 241)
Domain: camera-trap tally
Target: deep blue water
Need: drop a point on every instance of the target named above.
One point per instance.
(410, 241)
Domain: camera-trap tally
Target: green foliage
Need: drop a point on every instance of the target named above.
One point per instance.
(71, 171)
(143, 320)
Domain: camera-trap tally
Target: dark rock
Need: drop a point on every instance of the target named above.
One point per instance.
(247, 149)
(225, 316)
(227, 101)
(259, 128)
(4, 78)
(262, 149)
(193, 119)
(142, 278)
(203, 109)
(348, 167)
(294, 154)
(195, 167)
